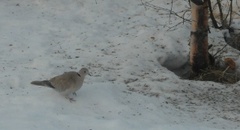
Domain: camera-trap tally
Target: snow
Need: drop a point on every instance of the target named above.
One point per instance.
(124, 44)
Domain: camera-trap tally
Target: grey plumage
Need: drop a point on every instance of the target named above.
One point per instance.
(67, 83)
(232, 38)
(43, 83)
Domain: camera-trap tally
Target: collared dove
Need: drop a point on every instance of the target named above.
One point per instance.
(65, 84)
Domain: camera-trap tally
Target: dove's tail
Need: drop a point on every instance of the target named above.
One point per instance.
(43, 83)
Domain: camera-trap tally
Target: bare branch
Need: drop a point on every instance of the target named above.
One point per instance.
(171, 28)
(170, 11)
(214, 22)
(230, 9)
(219, 51)
(147, 4)
(221, 13)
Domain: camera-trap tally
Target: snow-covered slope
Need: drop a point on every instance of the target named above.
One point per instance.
(122, 43)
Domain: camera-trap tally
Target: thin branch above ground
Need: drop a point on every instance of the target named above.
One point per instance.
(170, 11)
(181, 14)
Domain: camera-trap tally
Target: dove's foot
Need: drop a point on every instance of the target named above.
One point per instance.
(71, 99)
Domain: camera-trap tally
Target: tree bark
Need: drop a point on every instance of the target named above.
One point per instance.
(199, 58)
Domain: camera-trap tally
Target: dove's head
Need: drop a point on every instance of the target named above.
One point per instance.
(84, 72)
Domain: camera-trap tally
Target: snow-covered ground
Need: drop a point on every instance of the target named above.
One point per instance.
(123, 43)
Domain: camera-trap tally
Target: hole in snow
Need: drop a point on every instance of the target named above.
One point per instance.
(177, 64)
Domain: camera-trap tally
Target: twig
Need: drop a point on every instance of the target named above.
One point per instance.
(219, 51)
(143, 4)
(230, 9)
(214, 22)
(221, 13)
(169, 29)
(225, 71)
(147, 4)
(170, 11)
(237, 4)
(228, 13)
(184, 16)
(237, 13)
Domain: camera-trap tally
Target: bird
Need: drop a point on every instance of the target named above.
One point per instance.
(66, 83)
(232, 38)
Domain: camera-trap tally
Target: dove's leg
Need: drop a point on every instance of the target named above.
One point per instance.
(70, 99)
(74, 93)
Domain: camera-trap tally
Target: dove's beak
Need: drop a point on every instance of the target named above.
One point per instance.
(89, 74)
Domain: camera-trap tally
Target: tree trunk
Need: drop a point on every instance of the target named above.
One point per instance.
(199, 58)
